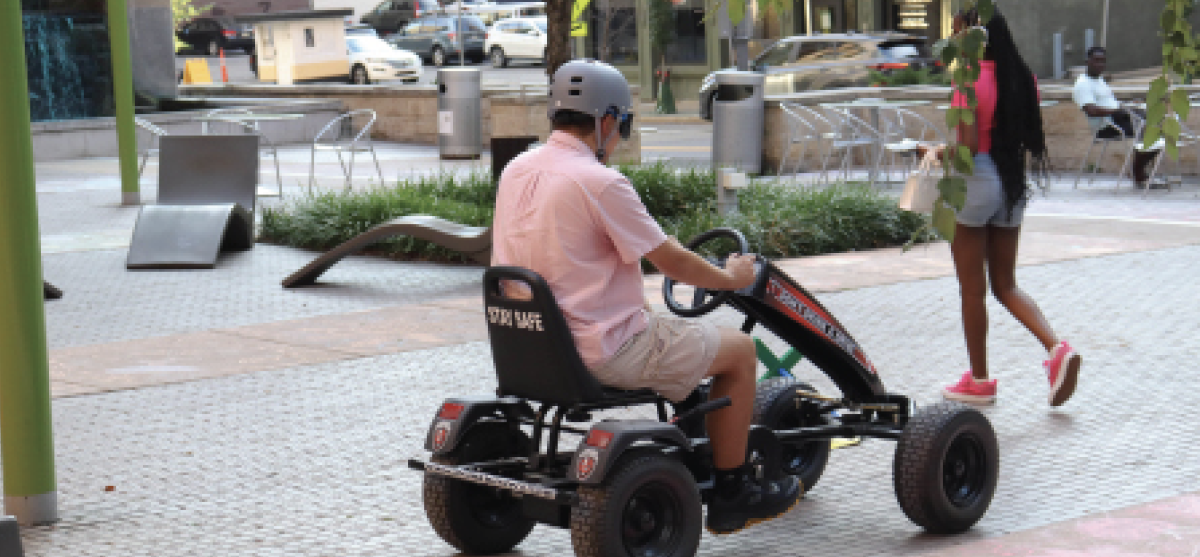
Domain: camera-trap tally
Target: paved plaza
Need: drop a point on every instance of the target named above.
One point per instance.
(215, 413)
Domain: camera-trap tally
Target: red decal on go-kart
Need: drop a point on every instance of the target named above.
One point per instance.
(786, 299)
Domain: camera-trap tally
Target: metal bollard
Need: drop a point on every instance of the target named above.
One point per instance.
(729, 180)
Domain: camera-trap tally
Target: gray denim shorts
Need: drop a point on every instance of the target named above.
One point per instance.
(985, 198)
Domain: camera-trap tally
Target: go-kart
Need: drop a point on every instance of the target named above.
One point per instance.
(634, 487)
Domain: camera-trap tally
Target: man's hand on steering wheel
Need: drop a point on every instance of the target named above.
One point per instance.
(741, 270)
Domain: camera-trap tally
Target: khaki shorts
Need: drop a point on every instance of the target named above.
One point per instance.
(671, 356)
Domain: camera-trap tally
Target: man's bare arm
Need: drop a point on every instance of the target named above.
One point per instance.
(684, 265)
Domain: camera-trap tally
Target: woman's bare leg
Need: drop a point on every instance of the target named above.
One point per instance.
(969, 249)
(1002, 271)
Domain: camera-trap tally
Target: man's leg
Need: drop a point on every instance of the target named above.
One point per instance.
(733, 376)
(740, 499)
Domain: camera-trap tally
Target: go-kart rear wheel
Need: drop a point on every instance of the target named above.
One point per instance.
(476, 519)
(946, 466)
(648, 506)
(775, 407)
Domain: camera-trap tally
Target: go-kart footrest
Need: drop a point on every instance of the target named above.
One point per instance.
(517, 487)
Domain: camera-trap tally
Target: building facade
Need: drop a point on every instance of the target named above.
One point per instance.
(1129, 28)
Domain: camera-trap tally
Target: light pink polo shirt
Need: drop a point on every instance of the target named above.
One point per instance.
(583, 228)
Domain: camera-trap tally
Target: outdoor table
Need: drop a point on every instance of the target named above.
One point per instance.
(873, 106)
(250, 121)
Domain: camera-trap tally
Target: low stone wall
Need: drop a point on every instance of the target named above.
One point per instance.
(97, 137)
(1065, 126)
(408, 113)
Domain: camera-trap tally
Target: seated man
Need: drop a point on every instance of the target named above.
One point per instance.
(1106, 117)
(579, 224)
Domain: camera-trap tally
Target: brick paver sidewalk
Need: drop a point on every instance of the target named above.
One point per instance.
(231, 416)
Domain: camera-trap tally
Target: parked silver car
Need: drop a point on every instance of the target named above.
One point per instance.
(814, 62)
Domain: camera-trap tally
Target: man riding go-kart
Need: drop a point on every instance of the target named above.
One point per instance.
(563, 214)
(571, 332)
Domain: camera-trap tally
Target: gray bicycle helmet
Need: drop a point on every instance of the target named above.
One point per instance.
(594, 88)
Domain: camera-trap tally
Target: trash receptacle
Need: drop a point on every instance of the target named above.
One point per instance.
(460, 134)
(738, 121)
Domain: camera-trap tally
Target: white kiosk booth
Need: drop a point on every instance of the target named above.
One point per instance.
(302, 45)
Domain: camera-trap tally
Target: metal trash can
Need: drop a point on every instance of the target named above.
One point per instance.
(738, 121)
(459, 117)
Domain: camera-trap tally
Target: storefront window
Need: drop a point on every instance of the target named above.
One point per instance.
(688, 45)
(67, 58)
(613, 33)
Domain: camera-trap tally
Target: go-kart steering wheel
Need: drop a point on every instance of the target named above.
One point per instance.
(715, 297)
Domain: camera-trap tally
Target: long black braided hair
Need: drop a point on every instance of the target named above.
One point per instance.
(1017, 135)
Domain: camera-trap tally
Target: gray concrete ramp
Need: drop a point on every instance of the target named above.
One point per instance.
(472, 241)
(206, 200)
(188, 237)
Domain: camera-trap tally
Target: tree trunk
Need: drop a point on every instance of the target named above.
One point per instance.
(558, 29)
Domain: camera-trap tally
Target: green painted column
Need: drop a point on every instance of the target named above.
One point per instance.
(26, 443)
(122, 70)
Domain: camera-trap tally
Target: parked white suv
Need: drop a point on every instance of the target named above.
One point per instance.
(517, 38)
(372, 59)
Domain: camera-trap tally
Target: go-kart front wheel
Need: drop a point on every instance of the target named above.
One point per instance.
(778, 407)
(476, 519)
(648, 505)
(946, 466)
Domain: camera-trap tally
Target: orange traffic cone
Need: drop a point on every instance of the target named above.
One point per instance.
(224, 73)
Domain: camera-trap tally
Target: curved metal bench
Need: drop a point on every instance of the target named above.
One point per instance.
(472, 241)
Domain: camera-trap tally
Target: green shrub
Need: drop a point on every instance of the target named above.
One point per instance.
(323, 220)
(778, 220)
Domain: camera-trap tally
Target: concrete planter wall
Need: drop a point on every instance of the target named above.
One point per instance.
(408, 113)
(1067, 132)
(97, 137)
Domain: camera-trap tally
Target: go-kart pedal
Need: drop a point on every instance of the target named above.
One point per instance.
(754, 501)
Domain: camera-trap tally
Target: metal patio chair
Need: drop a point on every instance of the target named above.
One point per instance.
(339, 136)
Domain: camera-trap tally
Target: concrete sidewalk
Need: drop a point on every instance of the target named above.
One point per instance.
(231, 416)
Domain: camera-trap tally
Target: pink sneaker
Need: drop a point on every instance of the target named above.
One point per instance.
(1062, 369)
(971, 391)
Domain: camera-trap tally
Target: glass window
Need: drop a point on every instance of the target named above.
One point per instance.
(847, 50)
(777, 55)
(310, 39)
(613, 31)
(367, 43)
(688, 46)
(412, 28)
(541, 25)
(811, 51)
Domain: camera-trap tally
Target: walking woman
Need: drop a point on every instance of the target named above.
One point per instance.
(1006, 134)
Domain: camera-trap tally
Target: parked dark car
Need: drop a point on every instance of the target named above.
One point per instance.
(392, 15)
(211, 34)
(815, 62)
(436, 39)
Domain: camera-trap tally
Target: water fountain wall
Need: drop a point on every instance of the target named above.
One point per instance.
(68, 60)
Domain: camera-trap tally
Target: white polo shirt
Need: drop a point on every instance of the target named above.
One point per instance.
(1093, 90)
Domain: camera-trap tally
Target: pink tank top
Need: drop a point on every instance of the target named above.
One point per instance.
(985, 105)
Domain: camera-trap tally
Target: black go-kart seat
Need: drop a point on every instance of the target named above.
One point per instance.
(532, 346)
